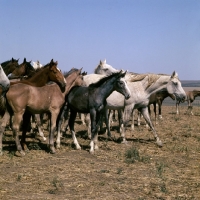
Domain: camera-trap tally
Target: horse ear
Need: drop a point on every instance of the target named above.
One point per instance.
(24, 60)
(123, 73)
(174, 74)
(100, 62)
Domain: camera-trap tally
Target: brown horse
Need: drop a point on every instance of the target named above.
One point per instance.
(49, 72)
(24, 69)
(9, 66)
(36, 100)
(191, 95)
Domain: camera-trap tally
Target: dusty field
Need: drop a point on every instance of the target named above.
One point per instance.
(139, 170)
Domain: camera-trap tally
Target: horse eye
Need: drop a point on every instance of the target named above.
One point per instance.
(175, 83)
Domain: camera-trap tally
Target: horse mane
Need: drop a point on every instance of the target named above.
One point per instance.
(66, 74)
(102, 80)
(152, 78)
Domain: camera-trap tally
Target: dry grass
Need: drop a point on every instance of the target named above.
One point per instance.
(139, 170)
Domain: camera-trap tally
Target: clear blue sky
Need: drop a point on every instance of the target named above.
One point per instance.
(157, 36)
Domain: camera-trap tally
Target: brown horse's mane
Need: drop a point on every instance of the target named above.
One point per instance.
(66, 74)
(101, 81)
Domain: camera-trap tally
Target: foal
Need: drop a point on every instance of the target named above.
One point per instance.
(92, 99)
(47, 99)
(49, 72)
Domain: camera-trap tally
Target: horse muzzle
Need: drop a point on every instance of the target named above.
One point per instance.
(127, 96)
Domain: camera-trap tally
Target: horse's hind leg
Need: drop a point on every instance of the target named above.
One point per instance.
(3, 123)
(146, 116)
(60, 118)
(39, 126)
(71, 126)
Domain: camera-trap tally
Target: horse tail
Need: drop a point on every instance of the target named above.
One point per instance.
(61, 114)
(3, 105)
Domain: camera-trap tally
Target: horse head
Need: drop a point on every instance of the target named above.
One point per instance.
(56, 75)
(105, 69)
(121, 85)
(174, 87)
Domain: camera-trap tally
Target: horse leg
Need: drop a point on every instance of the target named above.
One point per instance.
(93, 142)
(126, 117)
(154, 109)
(71, 126)
(53, 118)
(159, 109)
(59, 121)
(3, 122)
(189, 107)
(88, 124)
(146, 116)
(17, 119)
(177, 107)
(133, 120)
(107, 116)
(82, 117)
(39, 126)
(25, 125)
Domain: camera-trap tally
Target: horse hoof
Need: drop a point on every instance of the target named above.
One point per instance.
(57, 146)
(78, 148)
(159, 143)
(20, 153)
(91, 151)
(124, 141)
(96, 148)
(44, 139)
(52, 150)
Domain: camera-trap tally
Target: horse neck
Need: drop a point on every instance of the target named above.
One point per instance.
(39, 79)
(160, 84)
(8, 67)
(196, 93)
(104, 90)
(71, 82)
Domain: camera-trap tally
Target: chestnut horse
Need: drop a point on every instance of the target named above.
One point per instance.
(24, 69)
(49, 72)
(36, 100)
(9, 66)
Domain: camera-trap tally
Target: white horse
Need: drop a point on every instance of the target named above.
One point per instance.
(4, 81)
(36, 65)
(141, 87)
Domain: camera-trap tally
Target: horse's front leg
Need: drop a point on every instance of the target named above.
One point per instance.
(126, 116)
(53, 119)
(3, 122)
(146, 116)
(17, 119)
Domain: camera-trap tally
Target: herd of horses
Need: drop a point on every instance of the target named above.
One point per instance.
(28, 91)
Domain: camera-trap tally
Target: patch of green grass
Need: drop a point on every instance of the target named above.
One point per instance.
(132, 155)
(160, 167)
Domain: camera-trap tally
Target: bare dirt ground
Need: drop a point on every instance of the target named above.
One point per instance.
(139, 170)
